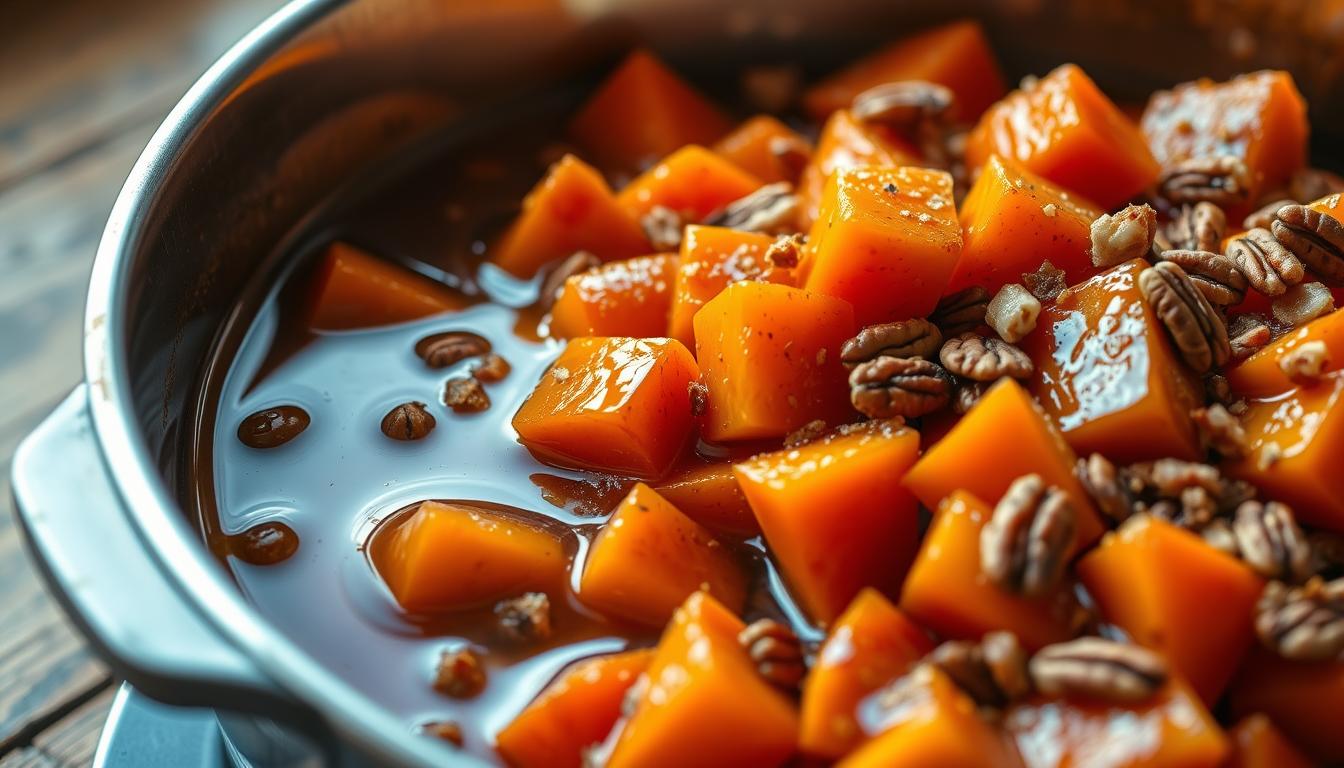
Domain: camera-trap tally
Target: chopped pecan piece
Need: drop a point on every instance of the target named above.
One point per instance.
(1271, 542)
(1120, 237)
(1216, 388)
(1007, 662)
(785, 252)
(526, 618)
(772, 209)
(812, 430)
(1046, 283)
(447, 730)
(1222, 180)
(776, 651)
(1220, 431)
(1092, 666)
(903, 105)
(1215, 275)
(1025, 545)
(1247, 334)
(1303, 623)
(663, 226)
(967, 394)
(899, 386)
(982, 358)
(575, 264)
(992, 672)
(903, 338)
(1301, 304)
(491, 368)
(1311, 184)
(699, 394)
(1269, 267)
(460, 674)
(961, 311)
(465, 394)
(1012, 313)
(1103, 483)
(1198, 227)
(1263, 217)
(1306, 362)
(1190, 320)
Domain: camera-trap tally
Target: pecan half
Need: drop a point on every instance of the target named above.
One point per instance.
(982, 358)
(1128, 234)
(1316, 238)
(1046, 283)
(967, 394)
(1092, 666)
(1198, 227)
(1269, 267)
(899, 386)
(408, 421)
(993, 672)
(1222, 180)
(772, 209)
(1215, 275)
(1247, 334)
(1220, 431)
(441, 350)
(575, 264)
(961, 311)
(904, 338)
(776, 651)
(1271, 542)
(1304, 623)
(1191, 321)
(663, 227)
(1104, 484)
(1306, 362)
(1263, 217)
(526, 618)
(903, 105)
(1025, 544)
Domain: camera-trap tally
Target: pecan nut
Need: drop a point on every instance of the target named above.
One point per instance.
(1092, 666)
(961, 311)
(1198, 227)
(465, 394)
(1263, 217)
(663, 227)
(1220, 431)
(1271, 542)
(772, 209)
(776, 652)
(1219, 535)
(1316, 238)
(967, 394)
(526, 618)
(575, 264)
(1192, 323)
(441, 350)
(1123, 236)
(1104, 484)
(1269, 267)
(903, 105)
(1026, 543)
(1222, 180)
(460, 674)
(491, 368)
(408, 421)
(1215, 275)
(993, 672)
(904, 338)
(785, 252)
(982, 358)
(1303, 623)
(1247, 333)
(899, 386)
(1306, 362)
(1046, 283)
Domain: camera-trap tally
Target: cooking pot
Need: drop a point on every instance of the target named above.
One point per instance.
(319, 99)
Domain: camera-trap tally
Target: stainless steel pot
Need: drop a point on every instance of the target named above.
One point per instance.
(325, 91)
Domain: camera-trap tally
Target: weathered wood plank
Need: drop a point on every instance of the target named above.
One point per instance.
(29, 757)
(73, 740)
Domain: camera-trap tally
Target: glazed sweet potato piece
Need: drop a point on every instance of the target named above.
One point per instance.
(871, 644)
(766, 148)
(692, 181)
(1063, 128)
(1012, 220)
(649, 558)
(955, 55)
(702, 682)
(1154, 580)
(771, 358)
(448, 557)
(947, 591)
(886, 240)
(1256, 743)
(1108, 376)
(574, 712)
(835, 515)
(710, 495)
(572, 209)
(711, 258)
(1004, 436)
(631, 297)
(1260, 375)
(845, 142)
(1303, 699)
(642, 112)
(616, 405)
(352, 289)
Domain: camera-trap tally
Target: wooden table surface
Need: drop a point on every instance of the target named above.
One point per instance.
(83, 84)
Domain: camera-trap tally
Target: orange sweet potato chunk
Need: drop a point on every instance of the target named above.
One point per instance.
(352, 289)
(572, 209)
(766, 148)
(702, 683)
(575, 711)
(835, 516)
(615, 405)
(1256, 743)
(871, 644)
(947, 592)
(771, 360)
(847, 143)
(447, 557)
(1004, 436)
(955, 55)
(1260, 375)
(620, 298)
(642, 112)
(886, 240)
(1107, 375)
(1012, 220)
(692, 181)
(1154, 580)
(1172, 729)
(1064, 128)
(710, 495)
(649, 558)
(711, 258)
(1303, 699)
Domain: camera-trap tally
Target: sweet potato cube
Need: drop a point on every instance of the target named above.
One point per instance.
(1154, 580)
(711, 258)
(1012, 220)
(1257, 743)
(352, 289)
(763, 146)
(710, 495)
(955, 55)
(871, 644)
(1303, 699)
(886, 241)
(771, 357)
(844, 143)
(1107, 375)
(642, 112)
(1064, 128)
(1172, 729)
(620, 298)
(692, 181)
(448, 557)
(577, 710)
(1260, 375)
(1004, 436)
(702, 682)
(616, 405)
(1258, 117)
(947, 591)
(835, 515)
(649, 558)
(572, 209)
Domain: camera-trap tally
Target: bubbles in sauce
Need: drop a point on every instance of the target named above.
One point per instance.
(273, 427)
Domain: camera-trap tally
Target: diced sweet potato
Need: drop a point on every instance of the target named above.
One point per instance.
(1294, 442)
(642, 112)
(1259, 117)
(772, 360)
(886, 241)
(1260, 375)
(1303, 699)
(692, 181)
(1012, 220)
(577, 710)
(871, 644)
(1004, 436)
(765, 148)
(710, 495)
(955, 55)
(1155, 580)
(617, 405)
(835, 515)
(702, 682)
(352, 289)
(448, 557)
(946, 590)
(621, 298)
(1064, 128)
(1256, 743)
(649, 558)
(1170, 730)
(847, 143)
(1107, 375)
(711, 258)
(572, 209)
